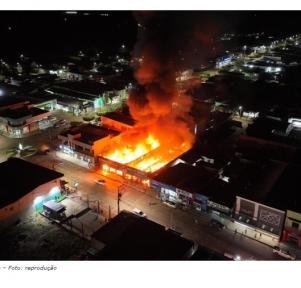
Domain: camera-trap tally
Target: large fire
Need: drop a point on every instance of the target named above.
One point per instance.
(146, 154)
(132, 151)
(163, 129)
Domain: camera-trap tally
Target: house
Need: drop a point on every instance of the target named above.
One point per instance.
(131, 237)
(24, 188)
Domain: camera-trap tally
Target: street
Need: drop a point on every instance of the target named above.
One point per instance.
(192, 224)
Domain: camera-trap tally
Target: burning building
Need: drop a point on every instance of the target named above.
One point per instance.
(164, 127)
(137, 154)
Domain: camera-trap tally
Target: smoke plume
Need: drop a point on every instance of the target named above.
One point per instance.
(168, 42)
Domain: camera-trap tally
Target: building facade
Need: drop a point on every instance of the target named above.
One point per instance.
(81, 144)
(17, 123)
(258, 215)
(34, 186)
(292, 227)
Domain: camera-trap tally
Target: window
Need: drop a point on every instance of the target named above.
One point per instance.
(295, 225)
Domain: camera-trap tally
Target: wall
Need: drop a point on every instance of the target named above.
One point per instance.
(38, 117)
(113, 124)
(259, 215)
(25, 205)
(290, 231)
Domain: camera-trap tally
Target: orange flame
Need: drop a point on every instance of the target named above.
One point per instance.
(145, 154)
(130, 152)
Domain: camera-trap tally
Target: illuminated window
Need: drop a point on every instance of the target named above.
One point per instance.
(119, 172)
(105, 167)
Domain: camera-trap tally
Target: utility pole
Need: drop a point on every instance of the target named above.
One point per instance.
(171, 220)
(118, 201)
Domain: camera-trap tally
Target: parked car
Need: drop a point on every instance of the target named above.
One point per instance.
(60, 123)
(170, 204)
(100, 181)
(44, 149)
(139, 212)
(174, 231)
(232, 257)
(217, 224)
(283, 253)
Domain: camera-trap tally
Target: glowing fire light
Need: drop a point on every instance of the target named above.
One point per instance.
(147, 154)
(131, 152)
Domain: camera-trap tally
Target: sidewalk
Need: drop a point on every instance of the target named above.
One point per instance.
(72, 159)
(251, 232)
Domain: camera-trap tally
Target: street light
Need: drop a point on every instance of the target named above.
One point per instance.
(20, 146)
(240, 108)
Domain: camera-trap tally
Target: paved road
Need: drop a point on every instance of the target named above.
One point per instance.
(36, 140)
(192, 224)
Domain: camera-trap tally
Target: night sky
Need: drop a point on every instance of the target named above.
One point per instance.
(48, 34)
(51, 34)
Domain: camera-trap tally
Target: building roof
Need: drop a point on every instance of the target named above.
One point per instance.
(221, 154)
(20, 177)
(191, 177)
(54, 206)
(285, 194)
(130, 237)
(283, 190)
(120, 117)
(203, 253)
(261, 149)
(6, 101)
(198, 180)
(63, 92)
(40, 96)
(67, 101)
(195, 180)
(22, 112)
(89, 133)
(273, 130)
(8, 88)
(221, 192)
(91, 87)
(277, 187)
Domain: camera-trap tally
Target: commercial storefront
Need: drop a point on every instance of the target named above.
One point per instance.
(292, 228)
(258, 215)
(165, 192)
(78, 143)
(17, 123)
(200, 202)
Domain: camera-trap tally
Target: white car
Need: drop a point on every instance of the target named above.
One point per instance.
(139, 212)
(100, 181)
(284, 254)
(170, 204)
